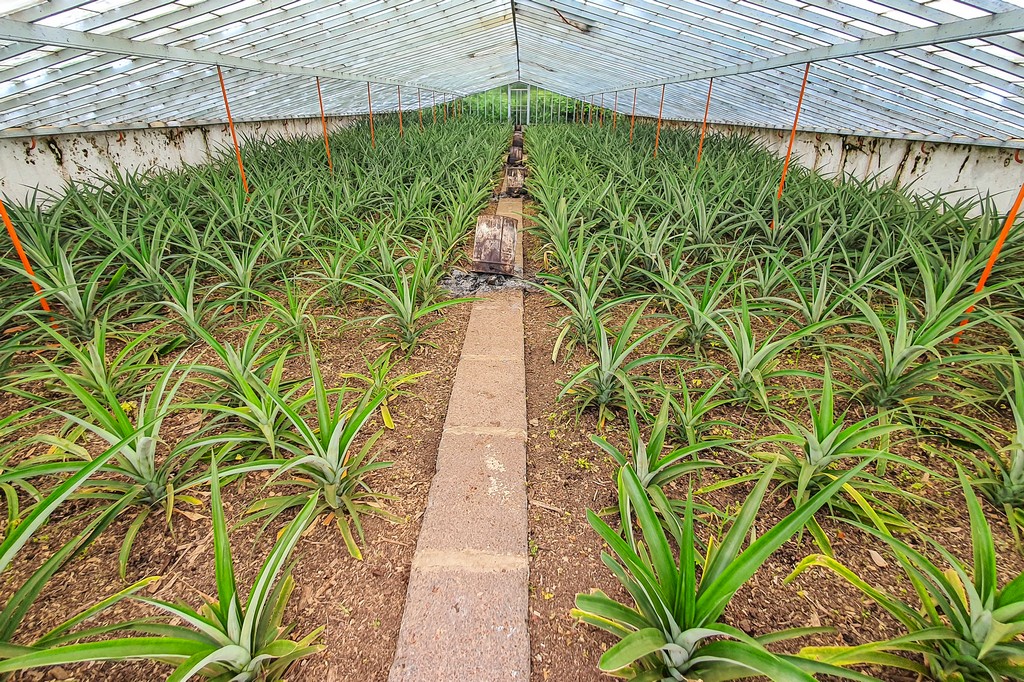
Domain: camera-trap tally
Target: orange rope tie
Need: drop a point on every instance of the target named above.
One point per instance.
(323, 120)
(657, 132)
(1011, 218)
(21, 254)
(792, 137)
(704, 126)
(231, 125)
(419, 107)
(369, 103)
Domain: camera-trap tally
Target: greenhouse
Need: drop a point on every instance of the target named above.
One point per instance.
(389, 340)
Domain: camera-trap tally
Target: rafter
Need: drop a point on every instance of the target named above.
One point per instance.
(48, 35)
(992, 25)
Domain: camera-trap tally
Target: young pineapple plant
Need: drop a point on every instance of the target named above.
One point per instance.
(609, 382)
(237, 635)
(965, 627)
(673, 628)
(326, 460)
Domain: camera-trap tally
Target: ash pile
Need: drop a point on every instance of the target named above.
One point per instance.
(463, 283)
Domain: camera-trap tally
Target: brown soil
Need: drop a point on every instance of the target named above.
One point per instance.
(569, 475)
(359, 603)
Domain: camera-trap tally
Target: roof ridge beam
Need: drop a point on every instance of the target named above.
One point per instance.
(65, 38)
(981, 27)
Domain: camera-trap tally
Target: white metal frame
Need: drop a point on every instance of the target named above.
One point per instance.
(949, 70)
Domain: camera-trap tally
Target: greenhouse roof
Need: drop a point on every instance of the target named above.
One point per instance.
(943, 70)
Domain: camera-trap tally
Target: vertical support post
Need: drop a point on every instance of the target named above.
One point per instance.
(600, 113)
(632, 117)
(323, 120)
(1011, 218)
(419, 107)
(704, 126)
(529, 96)
(21, 254)
(509, 88)
(615, 109)
(401, 131)
(792, 134)
(231, 125)
(657, 131)
(444, 105)
(433, 105)
(369, 102)
(590, 112)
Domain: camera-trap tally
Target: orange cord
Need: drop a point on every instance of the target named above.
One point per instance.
(21, 254)
(401, 132)
(369, 103)
(323, 120)
(433, 105)
(231, 125)
(657, 132)
(632, 117)
(1011, 217)
(419, 107)
(615, 109)
(792, 134)
(704, 126)
(600, 113)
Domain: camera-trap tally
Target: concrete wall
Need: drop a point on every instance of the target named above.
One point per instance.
(47, 163)
(923, 167)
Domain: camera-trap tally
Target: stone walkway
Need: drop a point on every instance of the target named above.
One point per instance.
(466, 608)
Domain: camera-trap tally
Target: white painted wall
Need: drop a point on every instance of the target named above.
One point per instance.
(924, 168)
(55, 160)
(927, 167)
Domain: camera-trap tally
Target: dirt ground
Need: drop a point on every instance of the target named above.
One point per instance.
(568, 474)
(359, 603)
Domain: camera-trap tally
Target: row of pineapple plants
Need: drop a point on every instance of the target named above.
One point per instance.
(689, 295)
(181, 292)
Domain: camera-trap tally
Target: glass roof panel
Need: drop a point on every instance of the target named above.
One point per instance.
(894, 67)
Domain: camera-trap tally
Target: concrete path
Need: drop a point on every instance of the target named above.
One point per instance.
(466, 608)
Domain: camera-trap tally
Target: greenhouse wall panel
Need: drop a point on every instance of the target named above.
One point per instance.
(47, 163)
(920, 167)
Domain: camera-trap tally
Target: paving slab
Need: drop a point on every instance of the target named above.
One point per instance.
(466, 607)
(477, 499)
(473, 623)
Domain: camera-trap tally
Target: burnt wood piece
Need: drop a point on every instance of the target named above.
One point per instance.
(517, 140)
(494, 248)
(515, 156)
(514, 177)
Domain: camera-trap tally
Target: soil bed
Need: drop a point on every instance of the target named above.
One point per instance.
(568, 475)
(359, 603)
